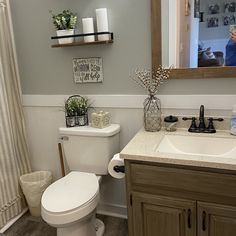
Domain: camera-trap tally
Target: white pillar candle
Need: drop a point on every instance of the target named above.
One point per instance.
(102, 23)
(88, 28)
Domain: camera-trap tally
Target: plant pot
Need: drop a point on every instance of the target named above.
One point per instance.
(82, 120)
(70, 121)
(64, 33)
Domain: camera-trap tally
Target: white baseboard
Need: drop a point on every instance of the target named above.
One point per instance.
(114, 210)
(13, 221)
(214, 102)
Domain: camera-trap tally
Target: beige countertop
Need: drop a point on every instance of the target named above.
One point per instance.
(144, 145)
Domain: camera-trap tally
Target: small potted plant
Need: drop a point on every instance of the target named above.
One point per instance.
(76, 111)
(65, 23)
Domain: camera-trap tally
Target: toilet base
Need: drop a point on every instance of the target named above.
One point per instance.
(99, 227)
(87, 227)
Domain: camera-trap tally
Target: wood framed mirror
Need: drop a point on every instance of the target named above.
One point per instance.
(199, 70)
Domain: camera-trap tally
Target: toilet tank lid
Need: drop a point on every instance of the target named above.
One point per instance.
(90, 131)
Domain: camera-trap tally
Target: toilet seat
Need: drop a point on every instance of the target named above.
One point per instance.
(71, 198)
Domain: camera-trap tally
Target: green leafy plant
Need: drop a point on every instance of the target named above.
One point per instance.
(77, 106)
(64, 20)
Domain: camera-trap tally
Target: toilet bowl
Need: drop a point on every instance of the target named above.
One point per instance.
(69, 205)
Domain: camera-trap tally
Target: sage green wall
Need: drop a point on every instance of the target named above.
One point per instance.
(49, 71)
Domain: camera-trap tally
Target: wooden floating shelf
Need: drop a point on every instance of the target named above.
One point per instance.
(81, 44)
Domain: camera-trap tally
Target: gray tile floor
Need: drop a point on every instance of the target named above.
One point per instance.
(31, 226)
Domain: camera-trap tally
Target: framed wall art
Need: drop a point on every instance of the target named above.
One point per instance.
(88, 70)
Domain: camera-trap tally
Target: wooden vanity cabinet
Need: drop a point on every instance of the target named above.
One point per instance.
(157, 215)
(168, 200)
(216, 220)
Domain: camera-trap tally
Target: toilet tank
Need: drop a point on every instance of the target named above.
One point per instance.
(89, 149)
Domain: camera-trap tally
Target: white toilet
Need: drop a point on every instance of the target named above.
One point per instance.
(69, 204)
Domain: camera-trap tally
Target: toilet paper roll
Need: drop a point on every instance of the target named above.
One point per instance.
(116, 161)
(102, 23)
(88, 28)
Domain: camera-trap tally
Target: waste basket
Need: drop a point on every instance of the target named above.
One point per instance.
(33, 186)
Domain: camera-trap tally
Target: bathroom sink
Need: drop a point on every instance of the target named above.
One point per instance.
(198, 145)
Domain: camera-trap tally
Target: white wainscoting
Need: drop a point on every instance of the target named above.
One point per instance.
(44, 115)
(214, 102)
(114, 210)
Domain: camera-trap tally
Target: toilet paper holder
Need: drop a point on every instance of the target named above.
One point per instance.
(119, 169)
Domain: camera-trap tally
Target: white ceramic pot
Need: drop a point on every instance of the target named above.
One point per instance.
(64, 33)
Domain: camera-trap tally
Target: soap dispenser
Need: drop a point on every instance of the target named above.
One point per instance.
(233, 121)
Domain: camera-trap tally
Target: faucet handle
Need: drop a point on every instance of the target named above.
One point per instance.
(193, 126)
(215, 119)
(188, 118)
(211, 127)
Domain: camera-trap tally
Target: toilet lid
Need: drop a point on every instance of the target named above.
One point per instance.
(71, 192)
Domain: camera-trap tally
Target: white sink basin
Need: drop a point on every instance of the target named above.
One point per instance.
(198, 145)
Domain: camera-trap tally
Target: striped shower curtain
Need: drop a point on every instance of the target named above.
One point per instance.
(13, 149)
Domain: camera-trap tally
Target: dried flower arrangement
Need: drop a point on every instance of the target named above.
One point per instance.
(151, 80)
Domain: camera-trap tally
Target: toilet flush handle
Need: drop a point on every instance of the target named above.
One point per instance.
(64, 138)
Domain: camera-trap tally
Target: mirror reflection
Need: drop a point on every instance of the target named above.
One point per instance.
(198, 33)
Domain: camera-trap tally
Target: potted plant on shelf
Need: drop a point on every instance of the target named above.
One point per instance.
(76, 111)
(65, 23)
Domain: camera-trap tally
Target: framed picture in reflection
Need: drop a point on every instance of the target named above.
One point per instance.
(212, 22)
(214, 9)
(229, 20)
(230, 7)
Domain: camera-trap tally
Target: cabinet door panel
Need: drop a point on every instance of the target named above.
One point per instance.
(163, 216)
(162, 221)
(216, 220)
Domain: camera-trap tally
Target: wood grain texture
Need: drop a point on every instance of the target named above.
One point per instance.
(162, 195)
(156, 33)
(129, 197)
(162, 216)
(220, 220)
(81, 44)
(183, 73)
(191, 184)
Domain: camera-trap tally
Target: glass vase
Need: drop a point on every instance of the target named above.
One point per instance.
(152, 114)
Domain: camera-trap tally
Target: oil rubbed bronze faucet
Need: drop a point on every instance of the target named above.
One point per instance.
(201, 127)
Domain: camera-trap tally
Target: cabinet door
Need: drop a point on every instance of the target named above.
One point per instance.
(216, 220)
(163, 216)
